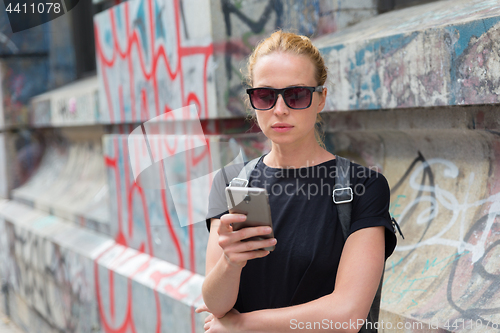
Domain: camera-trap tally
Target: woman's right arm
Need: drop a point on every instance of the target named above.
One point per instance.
(226, 257)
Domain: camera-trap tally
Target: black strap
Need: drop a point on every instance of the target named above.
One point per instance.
(342, 197)
(247, 171)
(243, 177)
(342, 194)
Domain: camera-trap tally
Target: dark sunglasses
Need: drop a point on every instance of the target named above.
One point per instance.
(295, 97)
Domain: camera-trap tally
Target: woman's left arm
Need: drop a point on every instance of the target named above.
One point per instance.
(344, 310)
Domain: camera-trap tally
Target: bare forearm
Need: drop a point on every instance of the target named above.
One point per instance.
(326, 314)
(220, 288)
(358, 276)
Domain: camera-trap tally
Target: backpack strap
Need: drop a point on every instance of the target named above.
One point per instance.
(342, 194)
(243, 177)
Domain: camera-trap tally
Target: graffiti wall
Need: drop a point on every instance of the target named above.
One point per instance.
(72, 105)
(3, 169)
(155, 56)
(20, 156)
(69, 181)
(21, 79)
(149, 219)
(87, 237)
(34, 61)
(147, 65)
(445, 195)
(239, 25)
(432, 55)
(64, 278)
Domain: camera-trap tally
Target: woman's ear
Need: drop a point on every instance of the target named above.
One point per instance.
(322, 100)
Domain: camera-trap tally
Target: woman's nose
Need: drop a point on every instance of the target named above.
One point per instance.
(281, 107)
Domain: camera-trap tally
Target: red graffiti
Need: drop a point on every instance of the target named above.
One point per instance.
(125, 187)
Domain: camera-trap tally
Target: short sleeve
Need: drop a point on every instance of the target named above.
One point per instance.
(370, 208)
(217, 205)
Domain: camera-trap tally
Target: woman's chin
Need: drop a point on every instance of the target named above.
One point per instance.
(281, 139)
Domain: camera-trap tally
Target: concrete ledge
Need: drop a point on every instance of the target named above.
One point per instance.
(70, 183)
(442, 165)
(79, 281)
(74, 104)
(430, 55)
(148, 219)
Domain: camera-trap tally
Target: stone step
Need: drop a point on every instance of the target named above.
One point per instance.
(438, 54)
(74, 279)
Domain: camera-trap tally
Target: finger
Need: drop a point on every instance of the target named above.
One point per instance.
(250, 246)
(209, 318)
(236, 259)
(201, 308)
(248, 232)
(207, 325)
(227, 219)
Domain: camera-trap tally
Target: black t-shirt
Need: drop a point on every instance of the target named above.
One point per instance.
(303, 267)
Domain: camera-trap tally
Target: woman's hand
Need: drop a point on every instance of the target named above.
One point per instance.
(236, 251)
(226, 324)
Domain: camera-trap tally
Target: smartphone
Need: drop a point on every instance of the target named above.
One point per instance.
(254, 203)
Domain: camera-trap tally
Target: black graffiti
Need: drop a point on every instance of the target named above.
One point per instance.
(477, 311)
(492, 292)
(42, 276)
(427, 176)
(257, 26)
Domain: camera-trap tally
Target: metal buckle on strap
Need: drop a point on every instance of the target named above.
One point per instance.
(238, 182)
(342, 194)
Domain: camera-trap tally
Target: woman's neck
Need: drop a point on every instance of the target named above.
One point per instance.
(288, 156)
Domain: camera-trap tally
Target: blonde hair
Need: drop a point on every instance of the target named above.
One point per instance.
(289, 42)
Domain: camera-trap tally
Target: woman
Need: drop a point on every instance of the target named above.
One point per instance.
(311, 277)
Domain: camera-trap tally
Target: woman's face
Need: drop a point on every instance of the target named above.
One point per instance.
(281, 124)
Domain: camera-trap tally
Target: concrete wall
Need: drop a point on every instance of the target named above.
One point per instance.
(147, 219)
(33, 61)
(441, 162)
(432, 55)
(70, 181)
(442, 166)
(72, 105)
(84, 238)
(158, 56)
(66, 279)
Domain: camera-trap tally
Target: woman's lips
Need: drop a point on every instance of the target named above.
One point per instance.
(282, 127)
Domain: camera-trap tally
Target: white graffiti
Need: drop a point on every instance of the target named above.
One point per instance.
(439, 198)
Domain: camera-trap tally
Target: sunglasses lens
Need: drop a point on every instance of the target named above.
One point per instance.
(297, 98)
(263, 98)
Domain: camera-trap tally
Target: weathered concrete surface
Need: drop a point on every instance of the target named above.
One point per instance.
(16, 75)
(156, 56)
(7, 325)
(442, 163)
(21, 79)
(431, 55)
(238, 27)
(65, 278)
(146, 219)
(442, 166)
(21, 153)
(73, 104)
(70, 183)
(34, 61)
